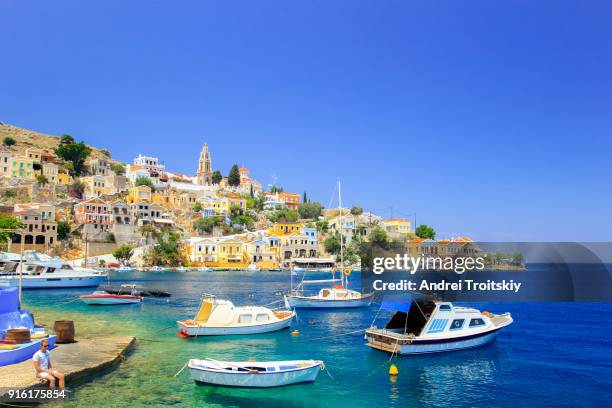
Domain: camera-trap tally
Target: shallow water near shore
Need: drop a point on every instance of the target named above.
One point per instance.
(554, 354)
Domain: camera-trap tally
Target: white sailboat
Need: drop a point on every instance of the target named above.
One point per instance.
(334, 297)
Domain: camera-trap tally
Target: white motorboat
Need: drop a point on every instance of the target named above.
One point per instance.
(182, 269)
(156, 269)
(422, 325)
(252, 374)
(39, 271)
(105, 298)
(125, 268)
(220, 317)
(253, 268)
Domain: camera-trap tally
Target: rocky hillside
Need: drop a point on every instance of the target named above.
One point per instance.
(28, 138)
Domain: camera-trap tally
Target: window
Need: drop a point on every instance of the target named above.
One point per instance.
(457, 324)
(262, 318)
(445, 308)
(476, 322)
(245, 318)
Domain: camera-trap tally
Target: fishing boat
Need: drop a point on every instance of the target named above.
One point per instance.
(106, 299)
(422, 325)
(40, 271)
(251, 374)
(220, 317)
(125, 268)
(13, 317)
(334, 297)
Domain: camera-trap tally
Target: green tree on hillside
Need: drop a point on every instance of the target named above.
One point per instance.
(8, 222)
(304, 198)
(8, 141)
(118, 169)
(276, 189)
(42, 180)
(74, 153)
(217, 177)
(66, 139)
(424, 231)
(144, 181)
(355, 210)
(63, 229)
(197, 207)
(123, 253)
(310, 210)
(233, 179)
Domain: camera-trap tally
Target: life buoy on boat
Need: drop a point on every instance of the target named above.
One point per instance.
(347, 271)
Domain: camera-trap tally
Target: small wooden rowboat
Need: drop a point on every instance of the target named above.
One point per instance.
(250, 374)
(104, 298)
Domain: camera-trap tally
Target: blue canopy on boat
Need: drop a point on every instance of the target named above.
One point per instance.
(400, 303)
(9, 299)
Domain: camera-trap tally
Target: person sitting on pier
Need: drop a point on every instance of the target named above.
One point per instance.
(44, 368)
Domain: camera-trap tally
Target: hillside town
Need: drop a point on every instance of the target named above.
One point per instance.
(76, 202)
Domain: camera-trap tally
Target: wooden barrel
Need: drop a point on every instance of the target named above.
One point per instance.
(64, 330)
(19, 336)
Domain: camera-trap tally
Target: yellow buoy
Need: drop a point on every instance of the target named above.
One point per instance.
(295, 332)
(393, 370)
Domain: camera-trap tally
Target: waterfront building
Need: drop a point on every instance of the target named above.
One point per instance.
(40, 225)
(261, 255)
(311, 233)
(203, 250)
(204, 174)
(145, 213)
(94, 213)
(6, 158)
(397, 227)
(297, 246)
(232, 253)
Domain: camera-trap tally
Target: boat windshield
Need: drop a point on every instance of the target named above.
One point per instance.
(413, 321)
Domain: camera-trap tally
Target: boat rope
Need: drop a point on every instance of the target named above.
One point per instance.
(324, 368)
(181, 370)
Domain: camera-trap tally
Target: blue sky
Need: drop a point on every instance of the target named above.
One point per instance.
(491, 119)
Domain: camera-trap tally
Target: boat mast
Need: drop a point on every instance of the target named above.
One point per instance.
(341, 237)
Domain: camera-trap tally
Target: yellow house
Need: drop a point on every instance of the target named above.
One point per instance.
(63, 179)
(139, 193)
(23, 167)
(96, 186)
(397, 226)
(285, 228)
(232, 254)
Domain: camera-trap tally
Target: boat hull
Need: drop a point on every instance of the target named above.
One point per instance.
(257, 380)
(24, 351)
(434, 346)
(300, 302)
(55, 283)
(193, 330)
(108, 301)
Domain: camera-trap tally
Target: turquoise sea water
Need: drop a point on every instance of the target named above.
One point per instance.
(555, 354)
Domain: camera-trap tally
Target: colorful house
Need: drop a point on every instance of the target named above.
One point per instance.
(397, 227)
(285, 228)
(23, 167)
(139, 193)
(232, 254)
